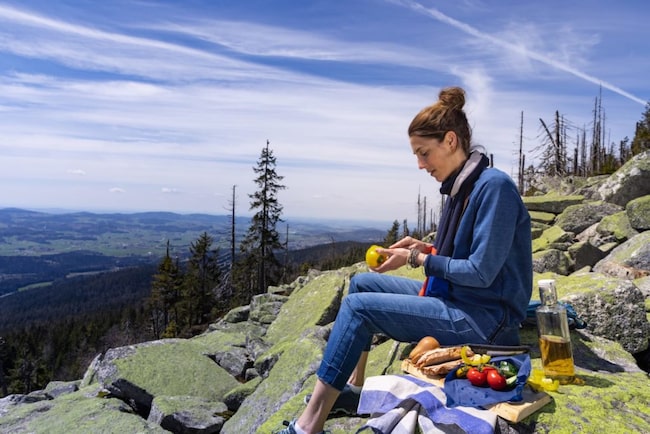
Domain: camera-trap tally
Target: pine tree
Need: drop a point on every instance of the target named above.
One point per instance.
(165, 297)
(641, 141)
(392, 235)
(202, 276)
(259, 266)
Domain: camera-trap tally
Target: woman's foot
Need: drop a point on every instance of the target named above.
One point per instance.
(347, 402)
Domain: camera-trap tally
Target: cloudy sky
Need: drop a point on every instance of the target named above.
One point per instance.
(146, 105)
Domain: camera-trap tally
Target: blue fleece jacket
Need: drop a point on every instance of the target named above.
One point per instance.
(490, 271)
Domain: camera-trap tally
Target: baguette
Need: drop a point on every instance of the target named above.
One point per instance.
(439, 355)
(441, 368)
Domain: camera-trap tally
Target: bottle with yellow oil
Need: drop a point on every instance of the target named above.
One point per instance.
(554, 337)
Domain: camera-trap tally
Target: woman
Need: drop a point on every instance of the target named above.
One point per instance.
(479, 269)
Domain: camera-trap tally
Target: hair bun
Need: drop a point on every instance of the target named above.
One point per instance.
(452, 97)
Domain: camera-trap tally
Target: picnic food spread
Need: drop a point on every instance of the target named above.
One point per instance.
(431, 359)
(497, 378)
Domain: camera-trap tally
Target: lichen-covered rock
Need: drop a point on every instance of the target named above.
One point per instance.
(265, 307)
(312, 305)
(169, 367)
(236, 396)
(615, 227)
(643, 283)
(589, 187)
(551, 203)
(58, 388)
(551, 236)
(234, 360)
(553, 260)
(297, 363)
(577, 218)
(638, 213)
(10, 401)
(238, 314)
(77, 412)
(632, 180)
(545, 218)
(629, 260)
(188, 414)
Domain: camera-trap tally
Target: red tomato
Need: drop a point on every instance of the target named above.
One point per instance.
(476, 377)
(496, 380)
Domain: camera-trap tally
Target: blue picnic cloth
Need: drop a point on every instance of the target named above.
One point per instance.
(460, 391)
(398, 404)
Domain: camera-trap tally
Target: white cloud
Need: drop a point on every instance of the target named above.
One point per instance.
(187, 100)
(518, 48)
(116, 190)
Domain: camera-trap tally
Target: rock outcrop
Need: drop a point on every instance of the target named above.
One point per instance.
(252, 369)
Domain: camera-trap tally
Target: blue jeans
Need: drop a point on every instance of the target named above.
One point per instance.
(389, 305)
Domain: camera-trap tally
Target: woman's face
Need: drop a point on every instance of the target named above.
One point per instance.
(437, 157)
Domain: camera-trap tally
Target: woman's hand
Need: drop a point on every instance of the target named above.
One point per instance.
(398, 253)
(396, 258)
(412, 243)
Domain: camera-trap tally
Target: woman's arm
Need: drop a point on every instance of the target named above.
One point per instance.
(484, 238)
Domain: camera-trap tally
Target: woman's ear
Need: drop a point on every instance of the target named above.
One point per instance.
(450, 140)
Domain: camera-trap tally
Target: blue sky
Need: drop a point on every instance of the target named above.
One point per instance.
(165, 105)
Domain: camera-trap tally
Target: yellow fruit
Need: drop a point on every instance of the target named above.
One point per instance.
(374, 259)
(426, 343)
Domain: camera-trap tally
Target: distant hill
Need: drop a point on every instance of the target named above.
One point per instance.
(38, 248)
(30, 233)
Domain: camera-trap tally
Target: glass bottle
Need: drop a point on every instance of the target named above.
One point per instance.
(554, 338)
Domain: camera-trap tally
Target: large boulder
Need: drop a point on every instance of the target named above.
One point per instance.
(188, 414)
(169, 367)
(554, 260)
(551, 203)
(615, 227)
(632, 180)
(638, 213)
(84, 411)
(577, 218)
(552, 238)
(630, 260)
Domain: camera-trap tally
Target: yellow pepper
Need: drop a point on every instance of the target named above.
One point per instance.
(476, 359)
(538, 381)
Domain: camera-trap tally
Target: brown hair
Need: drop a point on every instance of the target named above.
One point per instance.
(445, 115)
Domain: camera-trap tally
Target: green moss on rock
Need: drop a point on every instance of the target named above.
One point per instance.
(616, 225)
(76, 412)
(638, 212)
(174, 368)
(306, 306)
(552, 235)
(542, 217)
(551, 203)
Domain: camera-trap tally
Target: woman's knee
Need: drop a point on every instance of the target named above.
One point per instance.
(363, 282)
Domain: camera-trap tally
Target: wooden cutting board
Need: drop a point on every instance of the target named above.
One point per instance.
(510, 411)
